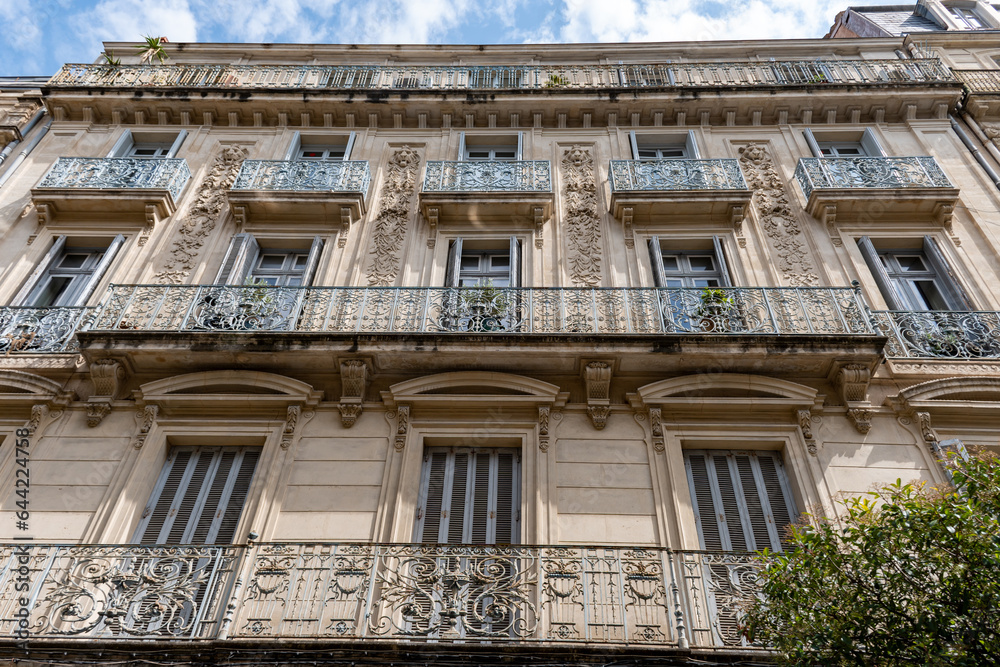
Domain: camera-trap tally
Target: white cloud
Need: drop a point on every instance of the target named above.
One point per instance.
(129, 20)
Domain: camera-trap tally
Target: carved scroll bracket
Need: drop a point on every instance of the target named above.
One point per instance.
(543, 427)
(656, 428)
(538, 214)
(433, 219)
(291, 422)
(805, 423)
(354, 378)
(628, 214)
(852, 381)
(402, 426)
(108, 376)
(146, 418)
(597, 377)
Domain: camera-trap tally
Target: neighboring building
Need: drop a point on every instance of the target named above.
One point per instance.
(323, 313)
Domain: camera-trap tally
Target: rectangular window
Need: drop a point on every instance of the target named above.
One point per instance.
(246, 260)
(490, 147)
(199, 496)
(844, 144)
(469, 496)
(742, 500)
(664, 146)
(915, 279)
(68, 274)
(683, 264)
(325, 147)
(967, 18)
(148, 144)
(281, 268)
(480, 262)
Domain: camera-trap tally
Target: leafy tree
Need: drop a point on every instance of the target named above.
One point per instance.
(910, 576)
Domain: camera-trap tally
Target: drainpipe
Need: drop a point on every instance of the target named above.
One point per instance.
(9, 148)
(24, 152)
(978, 131)
(980, 158)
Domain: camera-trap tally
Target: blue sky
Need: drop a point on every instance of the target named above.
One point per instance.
(43, 34)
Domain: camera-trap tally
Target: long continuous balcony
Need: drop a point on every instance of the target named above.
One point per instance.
(111, 188)
(661, 190)
(826, 311)
(514, 595)
(941, 334)
(40, 330)
(512, 77)
(269, 190)
(875, 187)
(487, 190)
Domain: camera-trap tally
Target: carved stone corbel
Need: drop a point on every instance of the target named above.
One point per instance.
(805, 423)
(43, 211)
(38, 412)
(926, 430)
(656, 427)
(539, 218)
(151, 219)
(543, 427)
(107, 376)
(146, 417)
(628, 214)
(354, 383)
(852, 381)
(402, 426)
(737, 214)
(345, 225)
(240, 216)
(291, 421)
(861, 418)
(597, 377)
(433, 218)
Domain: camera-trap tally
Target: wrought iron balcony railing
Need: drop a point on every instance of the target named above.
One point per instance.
(501, 77)
(488, 176)
(668, 175)
(551, 311)
(940, 334)
(869, 172)
(27, 329)
(983, 81)
(304, 175)
(168, 174)
(634, 596)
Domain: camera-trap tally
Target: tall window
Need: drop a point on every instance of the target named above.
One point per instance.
(967, 18)
(247, 260)
(199, 496)
(68, 274)
(476, 262)
(320, 147)
(469, 496)
(914, 279)
(148, 145)
(742, 500)
(678, 265)
(281, 268)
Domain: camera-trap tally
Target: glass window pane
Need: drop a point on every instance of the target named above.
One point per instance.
(849, 151)
(55, 288)
(271, 261)
(312, 155)
(500, 262)
(647, 154)
(505, 155)
(702, 263)
(670, 263)
(300, 261)
(500, 282)
(671, 152)
(930, 295)
(293, 281)
(479, 155)
(470, 262)
(706, 282)
(270, 280)
(911, 263)
(673, 282)
(73, 260)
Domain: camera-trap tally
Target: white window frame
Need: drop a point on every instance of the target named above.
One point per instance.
(166, 148)
(961, 15)
(687, 144)
(241, 259)
(482, 142)
(89, 280)
(901, 297)
(453, 266)
(660, 246)
(296, 146)
(869, 144)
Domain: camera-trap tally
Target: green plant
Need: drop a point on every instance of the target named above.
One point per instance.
(152, 47)
(109, 59)
(256, 293)
(489, 300)
(819, 78)
(556, 80)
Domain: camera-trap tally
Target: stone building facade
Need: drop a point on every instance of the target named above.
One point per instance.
(500, 353)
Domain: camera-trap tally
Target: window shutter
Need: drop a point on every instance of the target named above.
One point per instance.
(454, 265)
(123, 146)
(813, 144)
(174, 147)
(239, 260)
(706, 516)
(633, 144)
(478, 522)
(199, 497)
(432, 493)
(691, 146)
(520, 146)
(656, 261)
(350, 145)
(54, 253)
(953, 293)
(889, 292)
(461, 145)
(508, 499)
(871, 144)
(720, 255)
(515, 262)
(312, 261)
(294, 147)
(101, 268)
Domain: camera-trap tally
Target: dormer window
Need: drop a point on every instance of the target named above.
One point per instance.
(967, 18)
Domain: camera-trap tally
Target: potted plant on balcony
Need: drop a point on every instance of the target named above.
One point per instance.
(485, 307)
(715, 310)
(152, 47)
(556, 80)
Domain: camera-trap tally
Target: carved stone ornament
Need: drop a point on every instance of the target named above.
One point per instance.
(97, 411)
(861, 418)
(209, 204)
(581, 216)
(926, 431)
(777, 217)
(147, 417)
(291, 421)
(391, 221)
(852, 381)
(37, 413)
(107, 376)
(805, 423)
(402, 426)
(597, 377)
(543, 428)
(354, 383)
(656, 426)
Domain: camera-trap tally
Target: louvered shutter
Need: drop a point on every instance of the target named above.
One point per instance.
(871, 144)
(633, 145)
(54, 253)
(454, 265)
(950, 287)
(656, 261)
(123, 146)
(469, 497)
(242, 253)
(885, 285)
(294, 146)
(515, 262)
(725, 277)
(199, 496)
(691, 146)
(102, 267)
(741, 499)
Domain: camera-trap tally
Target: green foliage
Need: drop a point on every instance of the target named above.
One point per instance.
(557, 80)
(109, 59)
(490, 299)
(910, 577)
(152, 47)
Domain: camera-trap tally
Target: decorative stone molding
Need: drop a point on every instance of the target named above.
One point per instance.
(656, 427)
(107, 376)
(146, 417)
(345, 226)
(737, 215)
(776, 216)
(597, 377)
(805, 423)
(538, 213)
(433, 218)
(852, 382)
(924, 422)
(209, 205)
(581, 216)
(97, 411)
(402, 426)
(291, 421)
(354, 383)
(390, 223)
(628, 214)
(861, 418)
(38, 412)
(543, 427)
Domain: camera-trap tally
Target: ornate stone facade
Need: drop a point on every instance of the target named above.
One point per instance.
(582, 224)
(391, 222)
